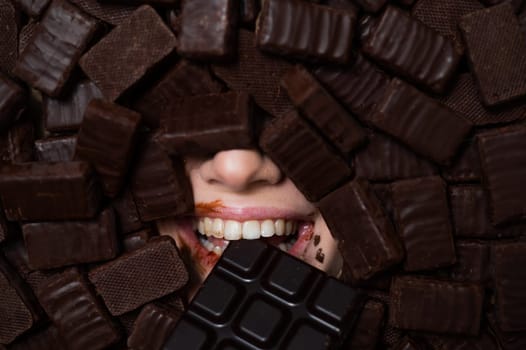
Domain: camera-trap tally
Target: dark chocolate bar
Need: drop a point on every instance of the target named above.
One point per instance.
(396, 40)
(367, 331)
(16, 145)
(323, 110)
(33, 8)
(127, 214)
(56, 149)
(136, 240)
(12, 102)
(49, 191)
(371, 5)
(306, 31)
(258, 297)
(473, 262)
(9, 17)
(65, 33)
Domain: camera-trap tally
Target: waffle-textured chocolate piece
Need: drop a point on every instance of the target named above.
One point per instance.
(367, 240)
(288, 141)
(9, 17)
(114, 14)
(128, 52)
(25, 35)
(435, 306)
(315, 103)
(258, 74)
(56, 244)
(136, 240)
(33, 8)
(306, 31)
(49, 58)
(496, 48)
(258, 297)
(415, 119)
(473, 262)
(141, 276)
(16, 145)
(510, 283)
(367, 331)
(422, 219)
(127, 215)
(207, 124)
(371, 5)
(395, 41)
(56, 149)
(466, 166)
(46, 339)
(12, 101)
(49, 191)
(106, 139)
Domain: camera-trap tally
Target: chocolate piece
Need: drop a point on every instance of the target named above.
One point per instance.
(507, 340)
(306, 31)
(510, 283)
(33, 8)
(409, 344)
(371, 5)
(106, 139)
(366, 236)
(406, 2)
(500, 77)
(208, 29)
(466, 167)
(127, 214)
(9, 19)
(127, 320)
(66, 114)
(25, 35)
(384, 194)
(46, 339)
(15, 253)
(12, 102)
(484, 341)
(142, 36)
(258, 74)
(422, 219)
(75, 311)
(64, 32)
(516, 4)
(323, 110)
(49, 191)
(395, 41)
(114, 14)
(159, 184)
(427, 126)
(137, 240)
(56, 244)
(436, 306)
(367, 331)
(207, 124)
(249, 11)
(473, 262)
(141, 276)
(16, 146)
(56, 149)
(262, 298)
(288, 141)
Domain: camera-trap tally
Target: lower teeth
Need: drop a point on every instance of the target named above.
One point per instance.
(211, 247)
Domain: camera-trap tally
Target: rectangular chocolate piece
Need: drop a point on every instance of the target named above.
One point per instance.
(153, 326)
(415, 119)
(82, 322)
(473, 262)
(141, 276)
(49, 58)
(9, 18)
(16, 145)
(396, 40)
(46, 339)
(49, 191)
(249, 11)
(114, 14)
(142, 36)
(496, 48)
(315, 103)
(207, 124)
(136, 240)
(56, 244)
(12, 102)
(306, 31)
(33, 8)
(25, 35)
(510, 284)
(56, 149)
(367, 240)
(258, 297)
(422, 219)
(106, 139)
(127, 215)
(6, 228)
(371, 5)
(436, 306)
(208, 29)
(289, 141)
(366, 334)
(465, 166)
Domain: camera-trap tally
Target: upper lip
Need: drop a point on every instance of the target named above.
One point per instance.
(251, 213)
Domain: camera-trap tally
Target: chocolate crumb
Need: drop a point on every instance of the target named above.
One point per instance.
(317, 240)
(320, 256)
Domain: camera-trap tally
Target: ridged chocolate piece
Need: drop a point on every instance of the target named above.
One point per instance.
(159, 184)
(258, 74)
(427, 126)
(66, 114)
(396, 40)
(258, 297)
(473, 262)
(422, 219)
(141, 276)
(466, 166)
(56, 149)
(82, 322)
(49, 58)
(114, 14)
(184, 79)
(359, 87)
(436, 306)
(384, 159)
(496, 48)
(367, 331)
(288, 141)
(207, 124)
(510, 284)
(33, 8)
(12, 102)
(127, 214)
(371, 5)
(106, 139)
(208, 29)
(315, 103)
(306, 31)
(249, 11)
(367, 240)
(128, 52)
(56, 244)
(46, 339)
(136, 240)
(9, 17)
(504, 167)
(16, 145)
(49, 191)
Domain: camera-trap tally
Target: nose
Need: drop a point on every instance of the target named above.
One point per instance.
(240, 170)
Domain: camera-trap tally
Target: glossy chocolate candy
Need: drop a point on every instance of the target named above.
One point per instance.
(33, 8)
(56, 149)
(114, 14)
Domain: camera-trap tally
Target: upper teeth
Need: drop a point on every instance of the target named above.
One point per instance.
(250, 229)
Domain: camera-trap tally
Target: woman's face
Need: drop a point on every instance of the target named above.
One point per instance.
(242, 194)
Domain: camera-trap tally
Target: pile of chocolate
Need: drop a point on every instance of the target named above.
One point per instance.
(403, 120)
